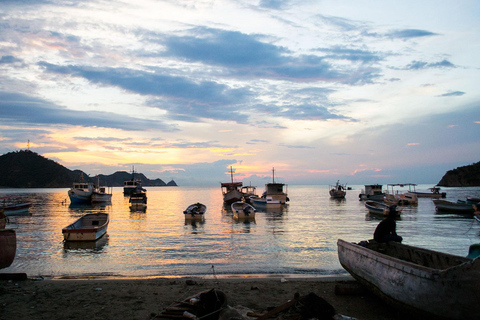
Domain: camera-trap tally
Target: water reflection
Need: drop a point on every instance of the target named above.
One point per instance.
(86, 246)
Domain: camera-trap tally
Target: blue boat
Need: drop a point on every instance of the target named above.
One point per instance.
(81, 192)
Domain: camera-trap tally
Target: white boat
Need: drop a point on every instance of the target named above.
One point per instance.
(434, 193)
(132, 184)
(89, 227)
(453, 207)
(406, 198)
(265, 201)
(102, 195)
(231, 191)
(247, 192)
(195, 211)
(14, 205)
(81, 192)
(338, 191)
(424, 282)
(372, 192)
(273, 196)
(243, 210)
(138, 199)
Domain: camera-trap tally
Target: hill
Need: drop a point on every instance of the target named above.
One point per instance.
(27, 169)
(466, 176)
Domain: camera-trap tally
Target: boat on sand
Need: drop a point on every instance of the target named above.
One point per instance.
(195, 211)
(89, 227)
(424, 282)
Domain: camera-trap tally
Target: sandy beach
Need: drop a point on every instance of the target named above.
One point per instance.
(96, 298)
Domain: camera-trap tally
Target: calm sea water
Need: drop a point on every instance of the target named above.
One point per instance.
(300, 239)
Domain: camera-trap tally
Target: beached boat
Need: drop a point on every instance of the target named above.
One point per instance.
(102, 195)
(81, 192)
(14, 205)
(338, 191)
(8, 247)
(89, 227)
(395, 197)
(421, 281)
(138, 199)
(453, 207)
(243, 210)
(434, 193)
(195, 211)
(132, 184)
(372, 192)
(231, 191)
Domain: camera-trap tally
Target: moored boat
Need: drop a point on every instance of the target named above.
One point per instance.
(195, 211)
(372, 192)
(102, 195)
(89, 227)
(138, 199)
(132, 184)
(15, 205)
(243, 210)
(231, 191)
(265, 201)
(379, 208)
(434, 193)
(8, 247)
(338, 191)
(81, 192)
(397, 198)
(273, 196)
(453, 207)
(422, 281)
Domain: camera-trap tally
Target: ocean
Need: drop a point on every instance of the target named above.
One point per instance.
(300, 239)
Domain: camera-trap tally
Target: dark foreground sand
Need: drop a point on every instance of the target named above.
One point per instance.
(146, 298)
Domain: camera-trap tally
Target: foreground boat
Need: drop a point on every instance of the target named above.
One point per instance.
(15, 205)
(453, 207)
(89, 227)
(195, 211)
(8, 247)
(338, 191)
(243, 210)
(424, 282)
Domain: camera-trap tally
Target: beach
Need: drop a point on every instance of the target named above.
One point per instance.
(146, 298)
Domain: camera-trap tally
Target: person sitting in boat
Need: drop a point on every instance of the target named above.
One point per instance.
(386, 229)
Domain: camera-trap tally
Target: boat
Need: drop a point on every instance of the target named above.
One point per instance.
(8, 247)
(81, 192)
(434, 193)
(397, 198)
(247, 192)
(132, 184)
(372, 192)
(265, 201)
(338, 191)
(15, 205)
(89, 227)
(101, 194)
(424, 282)
(243, 210)
(195, 211)
(379, 208)
(231, 191)
(453, 207)
(138, 198)
(473, 200)
(273, 196)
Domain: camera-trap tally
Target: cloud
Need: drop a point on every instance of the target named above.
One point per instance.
(354, 55)
(452, 94)
(410, 33)
(9, 59)
(417, 65)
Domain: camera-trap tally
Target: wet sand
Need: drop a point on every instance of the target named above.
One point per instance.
(96, 298)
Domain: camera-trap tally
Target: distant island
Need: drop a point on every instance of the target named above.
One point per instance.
(27, 169)
(466, 176)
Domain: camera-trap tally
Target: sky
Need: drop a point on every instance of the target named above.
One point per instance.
(358, 91)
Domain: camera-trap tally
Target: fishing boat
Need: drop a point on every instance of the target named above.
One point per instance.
(102, 195)
(231, 191)
(265, 201)
(424, 282)
(379, 208)
(89, 227)
(243, 210)
(138, 199)
(434, 193)
(372, 192)
(8, 247)
(338, 191)
(195, 211)
(81, 192)
(132, 184)
(247, 192)
(273, 196)
(453, 207)
(15, 205)
(395, 197)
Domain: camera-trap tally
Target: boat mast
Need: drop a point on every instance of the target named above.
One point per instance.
(231, 173)
(273, 174)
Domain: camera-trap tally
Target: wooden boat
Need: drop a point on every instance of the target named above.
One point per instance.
(379, 208)
(8, 247)
(273, 196)
(247, 192)
(397, 198)
(231, 191)
(15, 205)
(338, 191)
(89, 227)
(453, 207)
(434, 193)
(424, 282)
(138, 199)
(372, 192)
(132, 184)
(195, 211)
(81, 192)
(243, 210)
(102, 195)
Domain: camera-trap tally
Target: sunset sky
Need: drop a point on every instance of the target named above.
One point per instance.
(357, 91)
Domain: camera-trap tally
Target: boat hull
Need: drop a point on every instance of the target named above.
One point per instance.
(265, 202)
(79, 197)
(450, 291)
(16, 209)
(90, 227)
(195, 212)
(377, 208)
(243, 210)
(8, 247)
(452, 207)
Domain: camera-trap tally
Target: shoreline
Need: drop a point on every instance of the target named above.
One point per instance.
(146, 298)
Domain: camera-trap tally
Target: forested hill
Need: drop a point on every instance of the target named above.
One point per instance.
(466, 176)
(27, 169)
